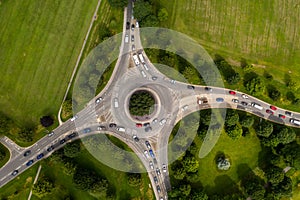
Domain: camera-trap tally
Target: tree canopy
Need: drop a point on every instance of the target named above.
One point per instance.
(72, 149)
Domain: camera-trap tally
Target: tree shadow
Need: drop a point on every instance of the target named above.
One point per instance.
(243, 170)
(225, 185)
(249, 76)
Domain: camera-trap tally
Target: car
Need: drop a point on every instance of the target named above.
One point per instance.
(155, 120)
(235, 101)
(98, 100)
(269, 112)
(148, 144)
(244, 103)
(148, 129)
(121, 129)
(232, 92)
(101, 128)
(289, 113)
(133, 47)
(27, 153)
(208, 89)
(132, 27)
(40, 156)
(138, 125)
(74, 118)
(155, 179)
(112, 125)
(164, 168)
(132, 38)
(146, 154)
(136, 24)
(158, 189)
(15, 172)
(163, 121)
(135, 138)
(245, 96)
(273, 107)
(184, 108)
(127, 25)
(220, 100)
(50, 134)
(151, 153)
(155, 161)
(281, 116)
(62, 141)
(173, 81)
(154, 78)
(29, 163)
(157, 171)
(161, 198)
(72, 135)
(87, 130)
(151, 165)
(191, 87)
(146, 124)
(50, 148)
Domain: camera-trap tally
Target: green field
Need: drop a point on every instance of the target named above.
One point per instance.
(40, 42)
(264, 32)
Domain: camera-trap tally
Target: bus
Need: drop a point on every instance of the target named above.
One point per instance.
(295, 122)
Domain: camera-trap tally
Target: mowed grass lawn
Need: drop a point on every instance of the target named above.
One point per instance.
(244, 155)
(264, 32)
(40, 42)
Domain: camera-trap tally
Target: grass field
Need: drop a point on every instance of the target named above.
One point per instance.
(40, 42)
(265, 32)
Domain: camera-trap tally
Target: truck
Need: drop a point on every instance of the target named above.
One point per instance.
(256, 105)
(141, 57)
(135, 59)
(116, 103)
(202, 100)
(126, 38)
(295, 121)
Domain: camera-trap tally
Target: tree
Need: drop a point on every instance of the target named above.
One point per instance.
(46, 121)
(67, 109)
(274, 175)
(118, 3)
(162, 14)
(253, 188)
(190, 164)
(232, 117)
(255, 86)
(178, 170)
(72, 150)
(69, 166)
(273, 93)
(43, 187)
(285, 135)
(141, 10)
(246, 121)
(26, 135)
(185, 189)
(235, 132)
(2, 153)
(141, 103)
(199, 195)
(149, 21)
(264, 128)
(284, 188)
(193, 177)
(134, 179)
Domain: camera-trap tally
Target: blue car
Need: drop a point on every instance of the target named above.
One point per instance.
(40, 156)
(151, 153)
(29, 163)
(220, 100)
(86, 130)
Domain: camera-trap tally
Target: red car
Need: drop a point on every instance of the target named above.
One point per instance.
(281, 116)
(232, 92)
(138, 125)
(273, 107)
(269, 112)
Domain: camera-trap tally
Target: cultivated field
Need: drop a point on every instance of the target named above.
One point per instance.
(266, 32)
(40, 42)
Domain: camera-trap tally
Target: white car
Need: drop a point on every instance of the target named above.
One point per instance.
(51, 133)
(245, 96)
(98, 100)
(173, 81)
(163, 121)
(154, 120)
(164, 168)
(184, 108)
(146, 154)
(151, 165)
(73, 118)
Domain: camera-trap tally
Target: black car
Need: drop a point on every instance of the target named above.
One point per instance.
(148, 144)
(289, 113)
(40, 156)
(72, 135)
(62, 141)
(132, 27)
(147, 129)
(191, 87)
(15, 172)
(158, 189)
(136, 138)
(112, 125)
(50, 148)
(132, 38)
(27, 153)
(146, 124)
(155, 179)
(127, 25)
(155, 161)
(29, 163)
(244, 103)
(208, 89)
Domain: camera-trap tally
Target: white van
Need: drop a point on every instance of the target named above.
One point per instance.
(256, 105)
(120, 129)
(126, 38)
(144, 74)
(116, 103)
(294, 121)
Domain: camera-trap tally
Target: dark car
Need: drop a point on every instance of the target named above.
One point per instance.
(147, 129)
(155, 179)
(40, 156)
(87, 130)
(235, 100)
(208, 89)
(62, 141)
(27, 153)
(158, 189)
(151, 153)
(191, 87)
(98, 100)
(289, 113)
(244, 103)
(148, 144)
(155, 161)
(269, 112)
(112, 125)
(50, 148)
(135, 138)
(146, 124)
(132, 27)
(281, 116)
(132, 38)
(15, 172)
(29, 163)
(127, 25)
(72, 135)
(158, 171)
